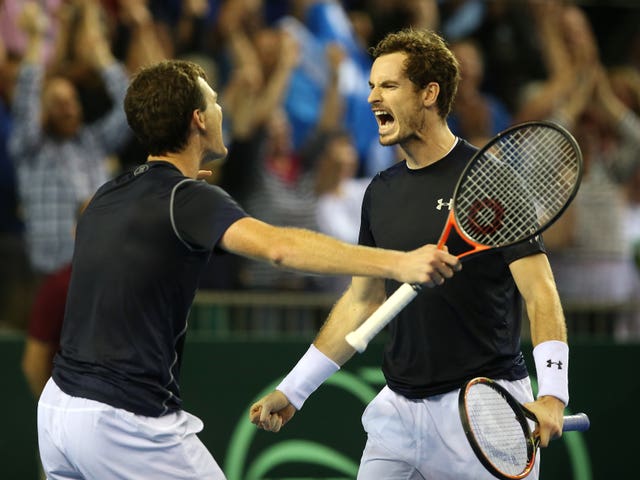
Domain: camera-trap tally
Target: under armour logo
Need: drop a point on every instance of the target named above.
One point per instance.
(442, 203)
(141, 169)
(558, 363)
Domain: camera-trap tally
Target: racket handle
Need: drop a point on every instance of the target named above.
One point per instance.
(360, 337)
(578, 422)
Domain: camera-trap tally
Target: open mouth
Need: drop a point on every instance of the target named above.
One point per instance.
(385, 121)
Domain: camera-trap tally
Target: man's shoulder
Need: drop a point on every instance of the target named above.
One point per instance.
(464, 148)
(391, 172)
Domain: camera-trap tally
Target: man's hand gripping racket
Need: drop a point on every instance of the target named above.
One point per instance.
(497, 427)
(511, 190)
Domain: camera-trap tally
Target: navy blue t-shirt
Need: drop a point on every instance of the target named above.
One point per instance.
(141, 246)
(469, 326)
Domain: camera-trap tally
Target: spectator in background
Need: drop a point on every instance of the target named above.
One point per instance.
(279, 190)
(139, 37)
(70, 62)
(625, 83)
(183, 24)
(568, 56)
(245, 17)
(477, 115)
(182, 27)
(137, 40)
(15, 280)
(391, 15)
(333, 156)
(316, 24)
(59, 159)
(339, 190)
(628, 328)
(285, 191)
(507, 37)
(592, 260)
(13, 36)
(9, 221)
(45, 324)
(44, 327)
(283, 195)
(462, 18)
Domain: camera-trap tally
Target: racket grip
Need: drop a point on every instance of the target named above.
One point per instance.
(578, 422)
(360, 337)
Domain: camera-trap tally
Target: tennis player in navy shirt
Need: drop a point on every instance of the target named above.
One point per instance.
(470, 326)
(112, 409)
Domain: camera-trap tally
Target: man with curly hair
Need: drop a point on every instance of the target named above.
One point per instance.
(469, 326)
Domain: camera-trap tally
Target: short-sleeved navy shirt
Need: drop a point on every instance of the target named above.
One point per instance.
(470, 325)
(141, 246)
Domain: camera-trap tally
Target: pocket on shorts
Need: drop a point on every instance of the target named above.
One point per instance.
(379, 413)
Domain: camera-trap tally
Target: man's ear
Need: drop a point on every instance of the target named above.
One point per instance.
(198, 119)
(430, 94)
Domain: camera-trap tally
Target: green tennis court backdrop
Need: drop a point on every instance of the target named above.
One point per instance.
(221, 378)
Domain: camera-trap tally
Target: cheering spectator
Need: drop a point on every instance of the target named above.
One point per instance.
(60, 160)
(477, 115)
(591, 257)
(15, 278)
(318, 24)
(13, 36)
(339, 191)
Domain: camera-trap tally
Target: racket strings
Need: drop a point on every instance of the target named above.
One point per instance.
(497, 430)
(520, 183)
(552, 155)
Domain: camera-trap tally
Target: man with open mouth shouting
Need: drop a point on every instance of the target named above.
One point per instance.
(469, 326)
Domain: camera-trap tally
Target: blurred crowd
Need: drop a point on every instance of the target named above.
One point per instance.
(293, 83)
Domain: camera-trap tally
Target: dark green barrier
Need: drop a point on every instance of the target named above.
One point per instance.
(18, 445)
(222, 378)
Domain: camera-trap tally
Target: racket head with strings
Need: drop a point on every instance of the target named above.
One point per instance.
(516, 186)
(497, 428)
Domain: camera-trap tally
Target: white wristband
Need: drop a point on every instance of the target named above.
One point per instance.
(552, 366)
(311, 370)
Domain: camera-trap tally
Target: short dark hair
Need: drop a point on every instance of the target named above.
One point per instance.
(160, 102)
(429, 59)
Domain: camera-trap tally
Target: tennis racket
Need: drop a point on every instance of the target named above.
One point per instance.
(511, 190)
(498, 430)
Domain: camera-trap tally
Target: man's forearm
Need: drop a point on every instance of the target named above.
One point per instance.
(313, 252)
(26, 109)
(349, 313)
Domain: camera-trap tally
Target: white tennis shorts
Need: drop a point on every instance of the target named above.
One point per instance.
(423, 439)
(85, 439)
